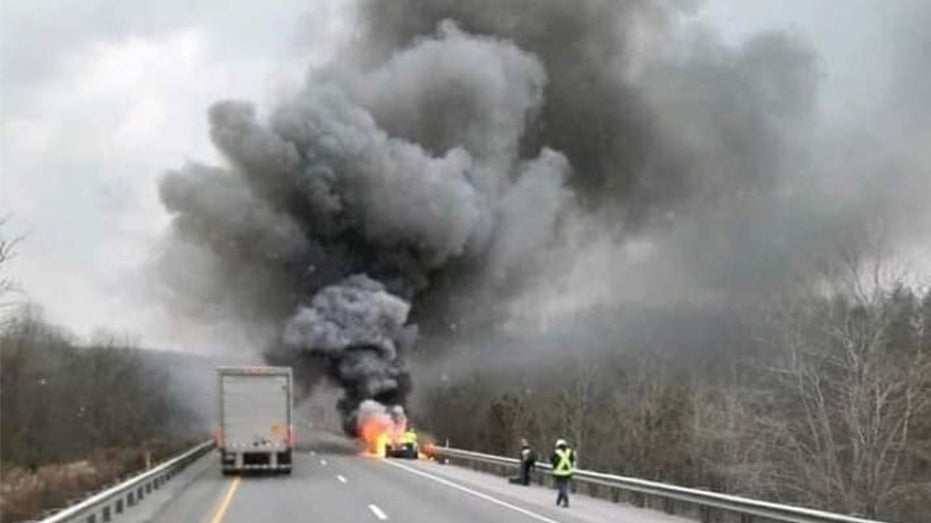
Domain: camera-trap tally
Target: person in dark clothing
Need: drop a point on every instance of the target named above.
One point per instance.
(563, 460)
(528, 459)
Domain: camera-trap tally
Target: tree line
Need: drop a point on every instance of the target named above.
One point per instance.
(823, 400)
(62, 398)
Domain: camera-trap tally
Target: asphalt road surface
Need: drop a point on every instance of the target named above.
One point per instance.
(332, 484)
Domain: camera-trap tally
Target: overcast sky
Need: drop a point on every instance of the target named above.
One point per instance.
(100, 97)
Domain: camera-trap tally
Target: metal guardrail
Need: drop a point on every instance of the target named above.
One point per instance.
(711, 506)
(106, 505)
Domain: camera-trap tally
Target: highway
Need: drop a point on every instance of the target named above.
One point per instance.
(331, 483)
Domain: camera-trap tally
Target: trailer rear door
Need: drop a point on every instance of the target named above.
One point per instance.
(255, 411)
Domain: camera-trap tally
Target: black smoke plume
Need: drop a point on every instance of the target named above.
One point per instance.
(356, 330)
(460, 157)
(327, 225)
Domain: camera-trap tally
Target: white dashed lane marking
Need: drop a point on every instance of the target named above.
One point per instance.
(475, 493)
(341, 479)
(379, 513)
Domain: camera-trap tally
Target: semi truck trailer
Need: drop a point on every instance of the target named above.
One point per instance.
(255, 430)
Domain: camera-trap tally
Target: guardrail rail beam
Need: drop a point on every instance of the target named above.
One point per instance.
(105, 505)
(710, 506)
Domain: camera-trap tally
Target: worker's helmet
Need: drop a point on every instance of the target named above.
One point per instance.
(561, 443)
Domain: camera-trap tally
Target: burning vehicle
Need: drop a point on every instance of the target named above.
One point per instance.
(384, 432)
(404, 447)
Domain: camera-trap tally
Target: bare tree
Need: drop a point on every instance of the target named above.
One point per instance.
(730, 449)
(8, 247)
(574, 403)
(848, 392)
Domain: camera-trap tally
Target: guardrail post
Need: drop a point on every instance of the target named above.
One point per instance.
(669, 505)
(615, 494)
(105, 515)
(746, 518)
(639, 500)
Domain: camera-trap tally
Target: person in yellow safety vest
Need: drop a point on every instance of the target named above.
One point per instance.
(409, 436)
(563, 461)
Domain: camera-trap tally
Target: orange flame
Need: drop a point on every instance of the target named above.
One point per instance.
(378, 432)
(427, 449)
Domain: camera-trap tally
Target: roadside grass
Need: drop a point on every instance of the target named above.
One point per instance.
(28, 494)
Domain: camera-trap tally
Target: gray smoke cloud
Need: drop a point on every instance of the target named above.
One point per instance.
(356, 329)
(355, 311)
(702, 169)
(487, 162)
(327, 224)
(674, 139)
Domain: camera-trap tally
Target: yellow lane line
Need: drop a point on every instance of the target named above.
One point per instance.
(220, 511)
